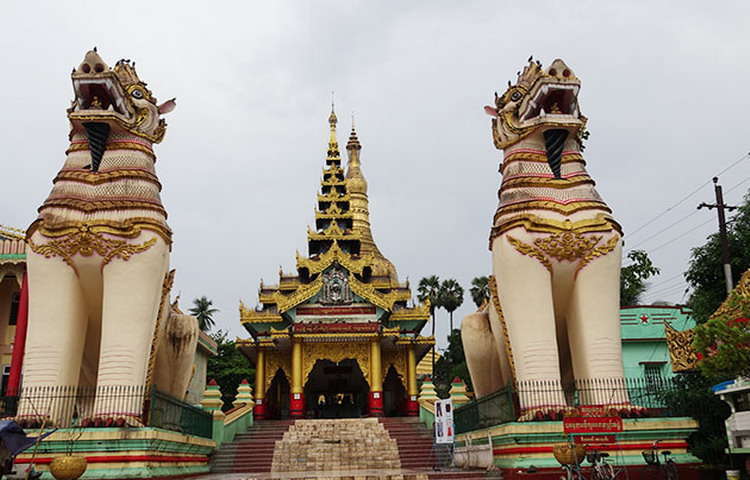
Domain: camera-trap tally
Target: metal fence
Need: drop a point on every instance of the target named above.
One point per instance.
(493, 409)
(108, 405)
(550, 400)
(172, 414)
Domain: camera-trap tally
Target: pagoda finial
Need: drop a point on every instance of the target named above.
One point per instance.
(332, 119)
(333, 144)
(353, 144)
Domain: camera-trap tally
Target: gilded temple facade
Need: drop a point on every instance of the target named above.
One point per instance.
(337, 338)
(12, 273)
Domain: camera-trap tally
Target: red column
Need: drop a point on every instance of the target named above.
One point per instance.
(19, 344)
(296, 405)
(412, 406)
(375, 404)
(259, 410)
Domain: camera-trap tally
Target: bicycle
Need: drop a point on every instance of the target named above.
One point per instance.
(668, 467)
(572, 472)
(601, 469)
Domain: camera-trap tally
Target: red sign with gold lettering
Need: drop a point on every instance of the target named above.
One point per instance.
(338, 327)
(592, 424)
(335, 311)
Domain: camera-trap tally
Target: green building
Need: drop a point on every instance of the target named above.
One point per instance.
(644, 345)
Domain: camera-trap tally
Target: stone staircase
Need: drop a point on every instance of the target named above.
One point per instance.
(251, 451)
(417, 452)
(345, 445)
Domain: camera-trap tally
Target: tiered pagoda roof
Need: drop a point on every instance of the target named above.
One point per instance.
(341, 238)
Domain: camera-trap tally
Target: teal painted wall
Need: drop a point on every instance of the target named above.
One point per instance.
(644, 344)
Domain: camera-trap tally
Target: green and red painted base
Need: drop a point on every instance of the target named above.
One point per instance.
(115, 453)
(524, 450)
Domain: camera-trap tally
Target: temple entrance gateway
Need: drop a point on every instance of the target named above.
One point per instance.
(336, 390)
(277, 399)
(339, 323)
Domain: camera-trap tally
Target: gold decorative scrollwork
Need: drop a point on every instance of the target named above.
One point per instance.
(87, 240)
(495, 298)
(276, 360)
(681, 351)
(166, 289)
(566, 246)
(398, 359)
(733, 308)
(335, 352)
(601, 223)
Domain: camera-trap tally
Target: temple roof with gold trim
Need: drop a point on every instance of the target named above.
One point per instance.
(340, 244)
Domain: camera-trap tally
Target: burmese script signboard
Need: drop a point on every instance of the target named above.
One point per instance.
(336, 313)
(592, 429)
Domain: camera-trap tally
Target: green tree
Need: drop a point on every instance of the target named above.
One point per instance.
(633, 277)
(451, 297)
(229, 367)
(723, 342)
(429, 289)
(705, 273)
(451, 364)
(203, 311)
(480, 290)
(692, 397)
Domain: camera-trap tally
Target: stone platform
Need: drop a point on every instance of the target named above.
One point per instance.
(336, 445)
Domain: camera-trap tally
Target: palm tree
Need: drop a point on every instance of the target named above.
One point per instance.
(204, 313)
(429, 289)
(451, 297)
(480, 290)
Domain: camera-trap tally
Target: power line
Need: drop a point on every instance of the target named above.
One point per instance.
(738, 184)
(664, 229)
(681, 236)
(672, 291)
(683, 199)
(665, 280)
(666, 287)
(660, 291)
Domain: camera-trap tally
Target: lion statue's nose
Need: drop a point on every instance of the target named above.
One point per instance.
(92, 63)
(559, 69)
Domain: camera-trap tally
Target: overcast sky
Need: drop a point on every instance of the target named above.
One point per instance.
(664, 87)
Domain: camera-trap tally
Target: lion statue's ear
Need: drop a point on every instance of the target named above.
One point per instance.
(167, 106)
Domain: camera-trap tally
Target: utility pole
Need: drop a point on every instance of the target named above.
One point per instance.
(720, 207)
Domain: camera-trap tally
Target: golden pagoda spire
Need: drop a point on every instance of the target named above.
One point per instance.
(356, 186)
(334, 156)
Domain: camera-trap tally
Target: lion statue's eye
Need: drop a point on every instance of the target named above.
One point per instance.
(137, 94)
(515, 96)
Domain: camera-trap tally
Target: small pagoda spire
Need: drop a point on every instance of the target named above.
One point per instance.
(333, 144)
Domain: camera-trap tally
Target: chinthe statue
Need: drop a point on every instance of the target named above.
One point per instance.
(553, 317)
(98, 257)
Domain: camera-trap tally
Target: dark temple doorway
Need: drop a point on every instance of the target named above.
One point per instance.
(394, 394)
(336, 390)
(277, 397)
